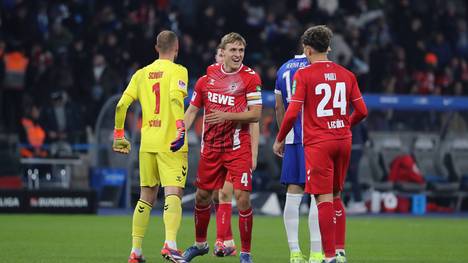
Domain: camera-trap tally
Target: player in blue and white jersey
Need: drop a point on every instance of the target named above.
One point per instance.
(293, 171)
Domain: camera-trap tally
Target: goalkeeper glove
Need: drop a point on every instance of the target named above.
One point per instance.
(180, 139)
(120, 144)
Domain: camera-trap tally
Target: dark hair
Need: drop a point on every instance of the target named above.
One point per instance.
(166, 40)
(318, 38)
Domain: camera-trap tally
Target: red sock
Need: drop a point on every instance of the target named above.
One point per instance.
(229, 229)
(340, 214)
(202, 219)
(327, 227)
(223, 221)
(245, 229)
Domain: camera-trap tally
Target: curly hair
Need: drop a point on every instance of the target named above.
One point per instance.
(317, 37)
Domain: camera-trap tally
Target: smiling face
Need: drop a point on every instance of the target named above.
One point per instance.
(233, 54)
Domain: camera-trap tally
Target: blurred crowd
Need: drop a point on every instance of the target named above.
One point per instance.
(60, 60)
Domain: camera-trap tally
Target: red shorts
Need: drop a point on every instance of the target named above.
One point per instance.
(326, 166)
(215, 168)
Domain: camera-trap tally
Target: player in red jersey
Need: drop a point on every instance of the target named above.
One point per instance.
(222, 198)
(324, 90)
(230, 94)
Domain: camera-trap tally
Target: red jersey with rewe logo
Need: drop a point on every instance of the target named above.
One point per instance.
(228, 92)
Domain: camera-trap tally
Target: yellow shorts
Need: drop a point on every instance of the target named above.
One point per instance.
(165, 169)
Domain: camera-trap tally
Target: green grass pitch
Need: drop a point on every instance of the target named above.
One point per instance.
(52, 238)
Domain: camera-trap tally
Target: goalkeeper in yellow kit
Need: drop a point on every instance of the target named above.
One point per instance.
(161, 88)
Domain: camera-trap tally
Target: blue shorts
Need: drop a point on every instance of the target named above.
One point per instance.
(293, 171)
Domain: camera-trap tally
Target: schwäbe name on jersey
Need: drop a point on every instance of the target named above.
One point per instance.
(220, 98)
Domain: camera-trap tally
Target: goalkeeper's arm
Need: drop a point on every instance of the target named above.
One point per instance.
(177, 105)
(121, 144)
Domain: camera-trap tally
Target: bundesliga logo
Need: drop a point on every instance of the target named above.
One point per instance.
(182, 84)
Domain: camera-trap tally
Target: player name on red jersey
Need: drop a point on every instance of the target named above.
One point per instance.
(336, 124)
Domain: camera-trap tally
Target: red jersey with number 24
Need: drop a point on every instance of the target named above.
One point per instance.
(326, 90)
(228, 92)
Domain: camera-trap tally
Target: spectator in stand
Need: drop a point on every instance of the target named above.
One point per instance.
(464, 73)
(62, 72)
(61, 119)
(424, 80)
(60, 37)
(441, 48)
(2, 75)
(399, 71)
(32, 136)
(14, 85)
(462, 39)
(102, 83)
(122, 33)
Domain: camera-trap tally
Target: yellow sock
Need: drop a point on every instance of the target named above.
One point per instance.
(141, 217)
(172, 217)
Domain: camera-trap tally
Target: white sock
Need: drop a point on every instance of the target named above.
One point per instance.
(328, 260)
(137, 251)
(229, 243)
(200, 244)
(291, 220)
(340, 250)
(314, 229)
(171, 244)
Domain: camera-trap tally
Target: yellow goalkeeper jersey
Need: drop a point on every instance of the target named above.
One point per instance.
(155, 86)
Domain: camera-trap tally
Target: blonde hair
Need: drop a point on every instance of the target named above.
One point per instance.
(232, 38)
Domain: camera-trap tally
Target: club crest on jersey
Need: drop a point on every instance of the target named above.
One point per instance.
(233, 86)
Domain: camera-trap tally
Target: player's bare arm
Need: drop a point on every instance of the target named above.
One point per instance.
(190, 115)
(177, 104)
(286, 125)
(252, 115)
(255, 136)
(279, 109)
(278, 148)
